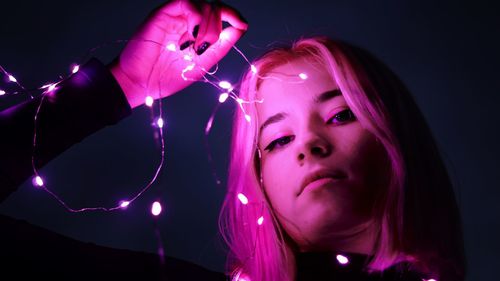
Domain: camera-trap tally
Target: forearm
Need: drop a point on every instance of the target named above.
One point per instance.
(81, 105)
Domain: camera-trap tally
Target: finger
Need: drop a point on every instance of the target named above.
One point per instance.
(175, 17)
(229, 36)
(209, 29)
(233, 17)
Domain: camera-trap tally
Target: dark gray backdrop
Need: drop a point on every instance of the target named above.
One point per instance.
(445, 51)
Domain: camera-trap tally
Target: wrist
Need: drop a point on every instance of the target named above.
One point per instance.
(128, 87)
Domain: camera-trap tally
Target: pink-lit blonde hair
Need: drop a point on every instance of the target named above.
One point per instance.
(418, 218)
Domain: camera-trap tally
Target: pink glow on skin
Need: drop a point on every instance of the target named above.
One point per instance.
(243, 199)
(342, 259)
(317, 140)
(156, 208)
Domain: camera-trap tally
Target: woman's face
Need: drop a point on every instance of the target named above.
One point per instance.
(321, 169)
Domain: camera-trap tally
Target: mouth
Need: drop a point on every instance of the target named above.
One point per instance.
(319, 178)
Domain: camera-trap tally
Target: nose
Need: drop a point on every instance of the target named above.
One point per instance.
(314, 145)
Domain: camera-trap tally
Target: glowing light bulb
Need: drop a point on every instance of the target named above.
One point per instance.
(430, 279)
(12, 79)
(342, 259)
(188, 57)
(51, 88)
(156, 208)
(149, 101)
(243, 199)
(225, 85)
(171, 47)
(223, 97)
(303, 76)
(248, 118)
(160, 122)
(260, 220)
(37, 181)
(253, 68)
(124, 204)
(2, 92)
(75, 69)
(224, 35)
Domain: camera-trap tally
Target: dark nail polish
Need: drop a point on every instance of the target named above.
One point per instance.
(195, 30)
(186, 44)
(202, 48)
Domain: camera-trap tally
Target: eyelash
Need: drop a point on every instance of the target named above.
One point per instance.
(288, 139)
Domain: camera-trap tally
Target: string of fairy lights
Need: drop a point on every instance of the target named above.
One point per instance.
(227, 90)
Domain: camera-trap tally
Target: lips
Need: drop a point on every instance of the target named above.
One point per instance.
(320, 174)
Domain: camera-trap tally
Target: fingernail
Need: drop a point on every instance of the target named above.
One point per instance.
(195, 30)
(202, 48)
(186, 44)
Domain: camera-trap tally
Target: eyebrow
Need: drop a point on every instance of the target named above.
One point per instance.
(323, 97)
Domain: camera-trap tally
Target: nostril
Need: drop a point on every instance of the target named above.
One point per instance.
(301, 156)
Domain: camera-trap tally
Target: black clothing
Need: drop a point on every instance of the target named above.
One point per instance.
(87, 101)
(81, 105)
(323, 266)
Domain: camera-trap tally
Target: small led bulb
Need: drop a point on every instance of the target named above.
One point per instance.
(303, 76)
(224, 35)
(160, 123)
(2, 92)
(37, 181)
(223, 97)
(248, 118)
(51, 88)
(149, 101)
(124, 204)
(75, 69)
(225, 85)
(260, 220)
(171, 47)
(12, 79)
(243, 199)
(254, 69)
(342, 259)
(156, 208)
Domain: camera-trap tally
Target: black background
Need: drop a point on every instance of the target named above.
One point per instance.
(445, 51)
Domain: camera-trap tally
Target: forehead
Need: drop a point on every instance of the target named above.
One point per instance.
(283, 89)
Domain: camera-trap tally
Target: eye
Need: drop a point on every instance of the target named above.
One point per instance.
(279, 142)
(342, 117)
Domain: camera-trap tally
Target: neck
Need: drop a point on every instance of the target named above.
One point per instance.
(360, 240)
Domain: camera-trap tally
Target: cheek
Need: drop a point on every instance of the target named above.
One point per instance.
(278, 184)
(370, 167)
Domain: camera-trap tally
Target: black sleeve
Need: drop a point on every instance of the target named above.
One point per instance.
(82, 104)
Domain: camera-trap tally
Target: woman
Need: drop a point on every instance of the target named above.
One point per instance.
(363, 193)
(339, 161)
